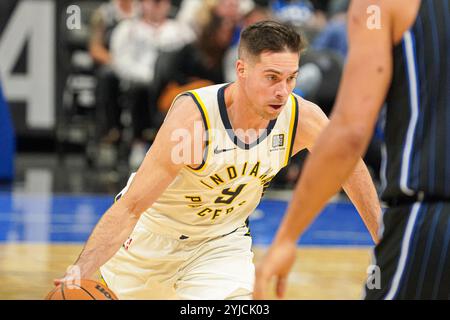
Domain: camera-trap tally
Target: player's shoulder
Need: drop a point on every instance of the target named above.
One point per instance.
(184, 109)
(191, 105)
(310, 117)
(206, 90)
(311, 120)
(307, 107)
(366, 6)
(362, 11)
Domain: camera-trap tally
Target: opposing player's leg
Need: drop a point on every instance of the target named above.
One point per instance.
(413, 255)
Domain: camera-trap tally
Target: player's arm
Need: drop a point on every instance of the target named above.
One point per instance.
(338, 149)
(359, 186)
(157, 171)
(363, 88)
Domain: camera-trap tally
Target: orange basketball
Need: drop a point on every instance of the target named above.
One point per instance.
(85, 290)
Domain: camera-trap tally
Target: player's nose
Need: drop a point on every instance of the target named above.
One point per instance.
(282, 91)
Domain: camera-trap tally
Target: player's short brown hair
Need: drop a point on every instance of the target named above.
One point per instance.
(269, 36)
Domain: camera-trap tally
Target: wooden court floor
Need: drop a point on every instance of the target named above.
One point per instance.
(27, 270)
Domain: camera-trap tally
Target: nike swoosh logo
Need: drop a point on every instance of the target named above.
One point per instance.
(217, 151)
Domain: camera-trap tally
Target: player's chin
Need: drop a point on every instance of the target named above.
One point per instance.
(271, 116)
(274, 110)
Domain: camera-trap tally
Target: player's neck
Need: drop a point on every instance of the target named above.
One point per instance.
(240, 112)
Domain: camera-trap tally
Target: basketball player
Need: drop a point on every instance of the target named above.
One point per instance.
(185, 221)
(404, 61)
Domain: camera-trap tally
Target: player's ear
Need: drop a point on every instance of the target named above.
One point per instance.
(241, 68)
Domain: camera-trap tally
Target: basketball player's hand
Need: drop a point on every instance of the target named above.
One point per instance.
(72, 276)
(277, 263)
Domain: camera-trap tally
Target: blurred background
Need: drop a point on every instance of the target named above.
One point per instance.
(85, 85)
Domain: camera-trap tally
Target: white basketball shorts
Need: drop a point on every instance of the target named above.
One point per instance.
(158, 266)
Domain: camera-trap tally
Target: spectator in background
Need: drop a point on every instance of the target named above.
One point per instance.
(197, 64)
(104, 20)
(298, 13)
(320, 12)
(334, 35)
(197, 13)
(229, 10)
(320, 5)
(255, 15)
(135, 45)
(333, 38)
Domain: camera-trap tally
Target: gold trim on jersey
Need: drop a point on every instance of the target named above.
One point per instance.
(292, 128)
(202, 108)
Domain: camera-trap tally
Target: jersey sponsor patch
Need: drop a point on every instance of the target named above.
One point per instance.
(278, 141)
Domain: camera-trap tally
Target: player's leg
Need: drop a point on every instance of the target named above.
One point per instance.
(427, 274)
(222, 268)
(413, 255)
(388, 251)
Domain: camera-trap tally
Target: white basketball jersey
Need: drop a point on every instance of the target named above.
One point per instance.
(217, 197)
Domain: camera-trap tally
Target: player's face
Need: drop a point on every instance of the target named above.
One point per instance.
(270, 81)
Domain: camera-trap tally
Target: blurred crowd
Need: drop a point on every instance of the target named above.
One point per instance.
(145, 52)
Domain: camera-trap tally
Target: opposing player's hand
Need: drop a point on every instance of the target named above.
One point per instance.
(277, 263)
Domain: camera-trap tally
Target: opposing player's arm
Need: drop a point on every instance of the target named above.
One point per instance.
(339, 147)
(157, 171)
(359, 186)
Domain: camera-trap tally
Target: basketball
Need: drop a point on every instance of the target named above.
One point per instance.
(85, 290)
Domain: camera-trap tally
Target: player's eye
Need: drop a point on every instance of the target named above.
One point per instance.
(271, 77)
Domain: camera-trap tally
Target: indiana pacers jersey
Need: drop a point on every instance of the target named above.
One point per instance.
(218, 196)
